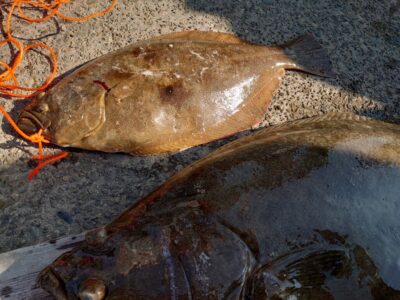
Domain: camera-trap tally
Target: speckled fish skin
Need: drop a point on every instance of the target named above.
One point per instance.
(309, 210)
(169, 93)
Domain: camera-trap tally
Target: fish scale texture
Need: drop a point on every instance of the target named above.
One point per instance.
(90, 189)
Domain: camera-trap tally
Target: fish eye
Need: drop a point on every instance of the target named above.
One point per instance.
(40, 95)
(96, 237)
(42, 108)
(96, 242)
(92, 289)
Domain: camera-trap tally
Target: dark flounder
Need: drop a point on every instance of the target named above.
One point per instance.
(169, 93)
(309, 210)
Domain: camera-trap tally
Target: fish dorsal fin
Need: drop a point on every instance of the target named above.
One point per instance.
(335, 116)
(330, 116)
(292, 127)
(208, 36)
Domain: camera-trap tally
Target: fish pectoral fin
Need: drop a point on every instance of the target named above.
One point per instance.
(208, 36)
(301, 273)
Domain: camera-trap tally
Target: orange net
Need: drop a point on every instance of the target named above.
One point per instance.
(9, 84)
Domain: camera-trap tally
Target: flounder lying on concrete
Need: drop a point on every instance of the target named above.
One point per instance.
(169, 93)
(309, 210)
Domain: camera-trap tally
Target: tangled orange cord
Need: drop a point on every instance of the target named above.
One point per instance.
(8, 80)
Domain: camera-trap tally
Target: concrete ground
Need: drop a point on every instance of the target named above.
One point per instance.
(90, 189)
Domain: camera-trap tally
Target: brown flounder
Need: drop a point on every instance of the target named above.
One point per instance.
(309, 210)
(169, 93)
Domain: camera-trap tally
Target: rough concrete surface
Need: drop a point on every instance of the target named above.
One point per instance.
(90, 189)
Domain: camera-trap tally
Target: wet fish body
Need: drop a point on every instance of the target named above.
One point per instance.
(306, 210)
(169, 93)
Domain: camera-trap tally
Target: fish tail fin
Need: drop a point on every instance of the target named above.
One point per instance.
(306, 54)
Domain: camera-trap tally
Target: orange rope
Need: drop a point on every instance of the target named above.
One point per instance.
(36, 138)
(7, 88)
(51, 8)
(51, 159)
(39, 139)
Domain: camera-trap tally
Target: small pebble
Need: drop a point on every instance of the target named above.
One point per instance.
(66, 217)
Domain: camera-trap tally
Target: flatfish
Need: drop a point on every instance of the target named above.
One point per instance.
(169, 93)
(308, 210)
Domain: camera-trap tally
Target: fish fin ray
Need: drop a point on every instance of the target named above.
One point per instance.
(209, 36)
(306, 54)
(292, 127)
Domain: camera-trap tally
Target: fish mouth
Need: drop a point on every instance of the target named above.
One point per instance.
(50, 282)
(31, 122)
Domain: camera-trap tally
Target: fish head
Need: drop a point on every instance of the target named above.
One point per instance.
(67, 113)
(34, 116)
(120, 266)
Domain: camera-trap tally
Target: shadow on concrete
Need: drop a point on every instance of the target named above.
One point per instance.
(4, 10)
(83, 191)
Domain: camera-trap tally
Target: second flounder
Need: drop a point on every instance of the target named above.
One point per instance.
(169, 93)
